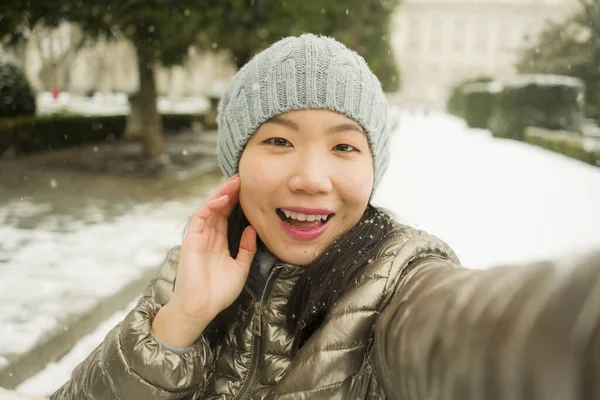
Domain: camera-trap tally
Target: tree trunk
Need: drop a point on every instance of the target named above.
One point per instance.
(133, 129)
(151, 121)
(20, 51)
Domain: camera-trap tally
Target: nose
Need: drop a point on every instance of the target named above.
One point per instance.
(310, 175)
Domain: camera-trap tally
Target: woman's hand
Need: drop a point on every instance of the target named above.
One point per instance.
(208, 278)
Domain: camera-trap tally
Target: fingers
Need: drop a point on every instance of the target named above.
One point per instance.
(231, 188)
(217, 204)
(233, 200)
(205, 211)
(210, 207)
(247, 248)
(228, 188)
(221, 202)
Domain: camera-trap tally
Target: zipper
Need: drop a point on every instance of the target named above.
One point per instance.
(257, 329)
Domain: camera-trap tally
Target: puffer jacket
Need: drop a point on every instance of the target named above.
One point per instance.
(409, 329)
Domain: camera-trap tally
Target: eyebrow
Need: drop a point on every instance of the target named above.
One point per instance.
(344, 127)
(285, 122)
(334, 129)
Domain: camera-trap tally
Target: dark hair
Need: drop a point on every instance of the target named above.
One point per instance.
(335, 267)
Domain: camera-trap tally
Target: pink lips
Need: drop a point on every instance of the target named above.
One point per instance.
(301, 234)
(306, 234)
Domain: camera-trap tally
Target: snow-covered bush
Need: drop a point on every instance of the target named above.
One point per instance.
(574, 145)
(479, 102)
(455, 104)
(553, 102)
(16, 95)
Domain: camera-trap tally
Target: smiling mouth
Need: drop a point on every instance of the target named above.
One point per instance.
(303, 221)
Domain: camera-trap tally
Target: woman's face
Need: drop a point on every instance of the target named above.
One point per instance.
(306, 177)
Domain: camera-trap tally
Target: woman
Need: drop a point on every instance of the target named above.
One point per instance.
(289, 284)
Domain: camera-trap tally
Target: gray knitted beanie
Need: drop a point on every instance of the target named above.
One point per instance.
(295, 73)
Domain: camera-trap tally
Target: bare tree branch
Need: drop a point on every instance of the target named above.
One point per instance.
(592, 10)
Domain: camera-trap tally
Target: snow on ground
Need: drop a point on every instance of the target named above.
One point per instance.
(64, 266)
(54, 375)
(11, 395)
(494, 201)
(112, 104)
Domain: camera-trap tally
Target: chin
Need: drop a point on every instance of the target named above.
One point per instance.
(300, 257)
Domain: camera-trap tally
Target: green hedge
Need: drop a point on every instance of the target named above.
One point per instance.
(546, 101)
(572, 144)
(478, 102)
(16, 95)
(30, 134)
(455, 104)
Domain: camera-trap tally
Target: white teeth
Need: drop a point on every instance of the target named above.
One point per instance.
(303, 217)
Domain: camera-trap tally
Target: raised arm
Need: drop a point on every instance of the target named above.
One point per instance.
(160, 350)
(130, 364)
(509, 333)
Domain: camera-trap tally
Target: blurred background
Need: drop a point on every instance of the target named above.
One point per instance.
(108, 141)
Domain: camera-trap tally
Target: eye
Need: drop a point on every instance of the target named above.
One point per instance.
(346, 148)
(278, 142)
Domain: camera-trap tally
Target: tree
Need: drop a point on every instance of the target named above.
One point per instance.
(592, 12)
(160, 30)
(163, 30)
(570, 47)
(245, 27)
(14, 18)
(364, 25)
(57, 57)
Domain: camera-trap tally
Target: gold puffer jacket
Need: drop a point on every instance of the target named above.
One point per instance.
(416, 326)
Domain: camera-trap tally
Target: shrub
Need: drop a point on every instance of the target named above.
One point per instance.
(478, 103)
(30, 134)
(455, 103)
(571, 144)
(16, 96)
(554, 102)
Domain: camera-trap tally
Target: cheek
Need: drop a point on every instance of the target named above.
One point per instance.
(355, 184)
(257, 176)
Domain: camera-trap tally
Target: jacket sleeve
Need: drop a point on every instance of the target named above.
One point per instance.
(528, 332)
(130, 364)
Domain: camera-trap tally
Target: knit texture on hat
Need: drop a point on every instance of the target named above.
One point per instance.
(296, 73)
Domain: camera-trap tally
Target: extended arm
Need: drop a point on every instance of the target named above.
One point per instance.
(528, 332)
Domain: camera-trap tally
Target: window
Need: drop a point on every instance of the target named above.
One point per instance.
(459, 34)
(435, 38)
(481, 38)
(413, 34)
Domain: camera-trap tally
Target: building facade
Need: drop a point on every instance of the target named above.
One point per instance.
(438, 43)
